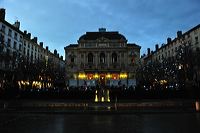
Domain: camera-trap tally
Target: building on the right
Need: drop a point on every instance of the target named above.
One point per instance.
(189, 39)
(176, 62)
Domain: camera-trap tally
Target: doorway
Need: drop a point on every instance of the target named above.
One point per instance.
(102, 79)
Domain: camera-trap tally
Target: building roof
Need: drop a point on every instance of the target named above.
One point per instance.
(107, 35)
(12, 26)
(72, 46)
(133, 45)
(194, 28)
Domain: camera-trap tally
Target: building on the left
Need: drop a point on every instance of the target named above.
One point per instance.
(24, 59)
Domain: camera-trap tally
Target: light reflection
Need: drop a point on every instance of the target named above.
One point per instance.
(197, 105)
(102, 96)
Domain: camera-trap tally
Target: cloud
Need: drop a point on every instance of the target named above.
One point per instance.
(62, 22)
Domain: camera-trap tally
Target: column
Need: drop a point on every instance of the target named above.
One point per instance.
(108, 59)
(120, 58)
(96, 59)
(84, 60)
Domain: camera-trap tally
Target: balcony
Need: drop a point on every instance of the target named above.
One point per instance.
(114, 65)
(102, 66)
(90, 65)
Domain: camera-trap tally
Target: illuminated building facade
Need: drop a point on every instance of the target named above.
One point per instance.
(102, 58)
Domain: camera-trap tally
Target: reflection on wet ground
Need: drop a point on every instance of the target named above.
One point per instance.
(86, 123)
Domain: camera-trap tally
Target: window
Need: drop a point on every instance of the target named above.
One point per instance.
(72, 59)
(10, 33)
(15, 45)
(20, 47)
(90, 45)
(15, 37)
(114, 57)
(24, 51)
(20, 39)
(102, 58)
(3, 28)
(9, 43)
(1, 39)
(90, 58)
(24, 43)
(196, 39)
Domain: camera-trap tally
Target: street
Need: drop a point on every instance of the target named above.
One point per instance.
(86, 123)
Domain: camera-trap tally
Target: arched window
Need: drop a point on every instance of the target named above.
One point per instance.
(90, 58)
(114, 57)
(72, 59)
(102, 58)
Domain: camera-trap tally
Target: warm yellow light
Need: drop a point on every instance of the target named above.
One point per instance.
(123, 75)
(108, 76)
(81, 76)
(96, 76)
(90, 76)
(102, 99)
(108, 95)
(96, 97)
(27, 82)
(163, 82)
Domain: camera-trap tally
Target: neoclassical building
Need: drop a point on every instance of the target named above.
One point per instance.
(103, 58)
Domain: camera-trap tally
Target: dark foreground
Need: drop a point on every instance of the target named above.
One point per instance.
(104, 123)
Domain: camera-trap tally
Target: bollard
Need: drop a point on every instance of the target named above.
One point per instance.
(4, 106)
(96, 97)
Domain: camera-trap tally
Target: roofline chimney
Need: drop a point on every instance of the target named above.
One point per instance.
(2, 13)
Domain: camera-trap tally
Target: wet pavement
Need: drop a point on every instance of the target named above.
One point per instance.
(100, 123)
(144, 106)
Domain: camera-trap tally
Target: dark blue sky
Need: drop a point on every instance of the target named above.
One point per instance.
(145, 22)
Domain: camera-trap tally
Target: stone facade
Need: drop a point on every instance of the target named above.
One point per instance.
(15, 44)
(188, 39)
(101, 57)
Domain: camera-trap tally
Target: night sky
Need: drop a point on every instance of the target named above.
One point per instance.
(59, 23)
